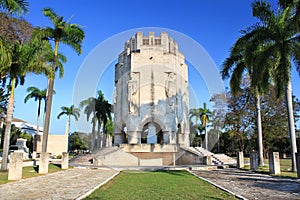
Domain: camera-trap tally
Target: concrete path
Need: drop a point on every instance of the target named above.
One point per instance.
(253, 185)
(68, 184)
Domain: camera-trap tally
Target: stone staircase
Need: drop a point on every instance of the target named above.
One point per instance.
(82, 159)
(87, 159)
(106, 150)
(217, 159)
(221, 159)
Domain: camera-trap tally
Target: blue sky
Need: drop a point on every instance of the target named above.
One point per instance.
(214, 25)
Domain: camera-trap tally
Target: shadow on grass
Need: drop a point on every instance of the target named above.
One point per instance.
(173, 172)
(36, 168)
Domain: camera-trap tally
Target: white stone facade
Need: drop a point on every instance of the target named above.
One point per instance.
(151, 101)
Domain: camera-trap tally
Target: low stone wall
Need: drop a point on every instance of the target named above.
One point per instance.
(55, 146)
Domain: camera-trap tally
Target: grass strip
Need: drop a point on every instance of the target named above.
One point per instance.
(158, 185)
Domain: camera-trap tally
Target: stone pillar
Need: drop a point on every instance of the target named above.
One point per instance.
(298, 164)
(118, 139)
(253, 161)
(207, 160)
(15, 166)
(274, 163)
(44, 162)
(166, 137)
(173, 138)
(33, 155)
(134, 137)
(240, 160)
(65, 160)
(174, 159)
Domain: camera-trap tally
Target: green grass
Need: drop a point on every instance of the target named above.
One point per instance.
(28, 172)
(285, 167)
(158, 185)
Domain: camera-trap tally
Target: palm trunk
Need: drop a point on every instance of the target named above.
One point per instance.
(50, 89)
(93, 136)
(259, 131)
(104, 136)
(1, 130)
(289, 103)
(38, 118)
(47, 114)
(206, 138)
(9, 117)
(99, 136)
(68, 125)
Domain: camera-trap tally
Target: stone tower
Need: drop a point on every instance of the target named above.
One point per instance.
(151, 100)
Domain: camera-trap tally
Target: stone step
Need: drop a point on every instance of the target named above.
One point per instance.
(217, 159)
(87, 159)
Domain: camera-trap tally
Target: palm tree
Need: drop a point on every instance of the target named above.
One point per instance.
(103, 113)
(5, 54)
(37, 95)
(195, 113)
(90, 109)
(69, 111)
(242, 59)
(24, 59)
(62, 32)
(14, 6)
(204, 117)
(278, 33)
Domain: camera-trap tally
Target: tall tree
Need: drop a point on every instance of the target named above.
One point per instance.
(89, 106)
(103, 113)
(205, 115)
(62, 32)
(195, 113)
(242, 59)
(69, 111)
(37, 95)
(14, 6)
(278, 33)
(3, 107)
(24, 60)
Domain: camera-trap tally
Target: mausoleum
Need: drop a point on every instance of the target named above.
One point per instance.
(151, 101)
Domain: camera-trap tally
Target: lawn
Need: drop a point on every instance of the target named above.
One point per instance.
(285, 167)
(158, 185)
(28, 172)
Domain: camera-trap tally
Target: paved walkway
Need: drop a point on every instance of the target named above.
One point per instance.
(68, 184)
(73, 183)
(253, 185)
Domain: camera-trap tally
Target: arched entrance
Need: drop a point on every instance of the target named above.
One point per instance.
(152, 134)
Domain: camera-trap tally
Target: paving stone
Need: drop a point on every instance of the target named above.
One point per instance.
(254, 185)
(68, 184)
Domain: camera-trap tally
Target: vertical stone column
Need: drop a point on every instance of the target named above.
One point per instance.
(15, 166)
(118, 139)
(253, 161)
(240, 160)
(207, 160)
(174, 159)
(274, 163)
(33, 155)
(65, 160)
(44, 162)
(166, 137)
(298, 164)
(134, 137)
